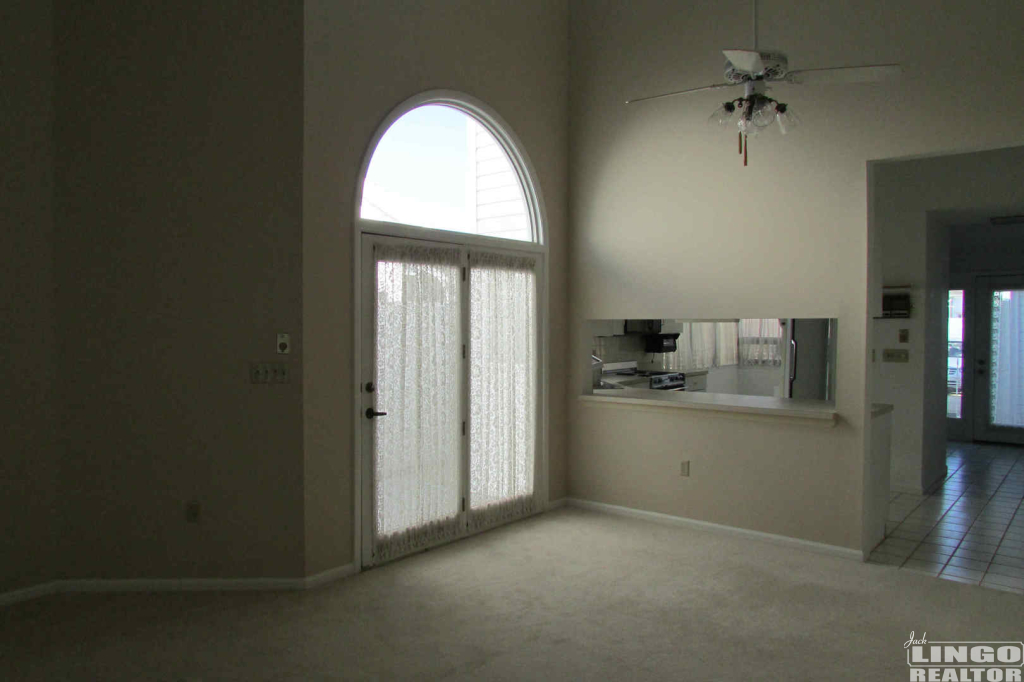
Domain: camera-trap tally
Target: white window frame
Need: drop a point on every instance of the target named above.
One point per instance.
(533, 198)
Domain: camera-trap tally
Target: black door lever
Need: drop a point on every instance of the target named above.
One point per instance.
(371, 413)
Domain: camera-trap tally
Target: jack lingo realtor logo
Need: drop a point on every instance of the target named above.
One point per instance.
(964, 661)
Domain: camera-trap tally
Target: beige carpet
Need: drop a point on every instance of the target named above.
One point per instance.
(567, 595)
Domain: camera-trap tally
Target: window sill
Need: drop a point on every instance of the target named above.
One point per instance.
(813, 411)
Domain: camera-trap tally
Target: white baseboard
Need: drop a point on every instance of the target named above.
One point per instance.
(786, 541)
(26, 593)
(85, 585)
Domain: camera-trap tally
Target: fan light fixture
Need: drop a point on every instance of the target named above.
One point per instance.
(756, 112)
(754, 69)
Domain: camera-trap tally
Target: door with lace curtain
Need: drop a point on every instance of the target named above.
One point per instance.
(999, 360)
(450, 403)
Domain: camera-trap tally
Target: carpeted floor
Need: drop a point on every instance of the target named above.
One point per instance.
(568, 595)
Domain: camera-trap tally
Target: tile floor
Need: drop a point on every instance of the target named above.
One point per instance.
(971, 529)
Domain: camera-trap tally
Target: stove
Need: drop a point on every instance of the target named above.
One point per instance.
(668, 381)
(657, 380)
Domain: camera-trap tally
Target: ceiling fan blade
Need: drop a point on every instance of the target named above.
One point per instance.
(716, 86)
(745, 60)
(845, 74)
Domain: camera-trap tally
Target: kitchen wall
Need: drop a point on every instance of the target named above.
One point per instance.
(362, 59)
(28, 465)
(667, 222)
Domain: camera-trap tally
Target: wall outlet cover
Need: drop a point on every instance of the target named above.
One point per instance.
(684, 468)
(284, 343)
(904, 336)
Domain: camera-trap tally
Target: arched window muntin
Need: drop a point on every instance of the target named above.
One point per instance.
(492, 122)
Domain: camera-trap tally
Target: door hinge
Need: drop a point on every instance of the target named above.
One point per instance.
(463, 428)
(463, 273)
(463, 351)
(463, 504)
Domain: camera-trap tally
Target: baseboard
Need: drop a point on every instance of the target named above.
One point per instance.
(784, 540)
(26, 593)
(555, 504)
(87, 585)
(329, 576)
(181, 584)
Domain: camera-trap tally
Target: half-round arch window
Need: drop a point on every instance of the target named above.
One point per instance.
(440, 167)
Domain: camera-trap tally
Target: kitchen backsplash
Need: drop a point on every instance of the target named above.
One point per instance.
(619, 348)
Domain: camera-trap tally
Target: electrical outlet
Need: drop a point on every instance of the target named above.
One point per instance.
(684, 468)
(279, 372)
(269, 373)
(192, 512)
(259, 373)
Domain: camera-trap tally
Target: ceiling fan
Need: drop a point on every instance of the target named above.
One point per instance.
(754, 70)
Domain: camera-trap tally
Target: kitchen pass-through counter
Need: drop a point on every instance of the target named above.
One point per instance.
(817, 411)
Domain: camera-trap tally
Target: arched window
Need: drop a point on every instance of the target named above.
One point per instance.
(443, 165)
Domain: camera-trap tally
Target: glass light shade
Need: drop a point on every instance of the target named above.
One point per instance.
(764, 113)
(787, 119)
(722, 116)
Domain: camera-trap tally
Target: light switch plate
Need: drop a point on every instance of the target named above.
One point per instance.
(895, 355)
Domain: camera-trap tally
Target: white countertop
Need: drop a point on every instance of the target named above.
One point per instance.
(818, 410)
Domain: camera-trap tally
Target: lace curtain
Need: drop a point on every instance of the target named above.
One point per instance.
(702, 345)
(1007, 359)
(760, 342)
(503, 390)
(417, 446)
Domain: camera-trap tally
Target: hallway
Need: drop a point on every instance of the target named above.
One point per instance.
(971, 528)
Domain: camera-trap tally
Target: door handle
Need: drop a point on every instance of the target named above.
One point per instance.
(371, 413)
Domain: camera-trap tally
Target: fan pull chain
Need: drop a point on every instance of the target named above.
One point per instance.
(740, 136)
(745, 145)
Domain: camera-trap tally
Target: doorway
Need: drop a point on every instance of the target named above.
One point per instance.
(985, 360)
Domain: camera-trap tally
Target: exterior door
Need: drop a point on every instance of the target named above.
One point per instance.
(413, 392)
(450, 392)
(998, 360)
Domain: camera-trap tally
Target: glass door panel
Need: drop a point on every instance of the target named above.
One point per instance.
(416, 433)
(955, 355)
(503, 387)
(999, 363)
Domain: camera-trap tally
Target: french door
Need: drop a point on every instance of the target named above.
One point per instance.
(450, 392)
(998, 359)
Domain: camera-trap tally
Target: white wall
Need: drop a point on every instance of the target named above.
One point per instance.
(667, 223)
(985, 248)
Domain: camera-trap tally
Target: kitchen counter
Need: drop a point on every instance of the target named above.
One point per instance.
(817, 411)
